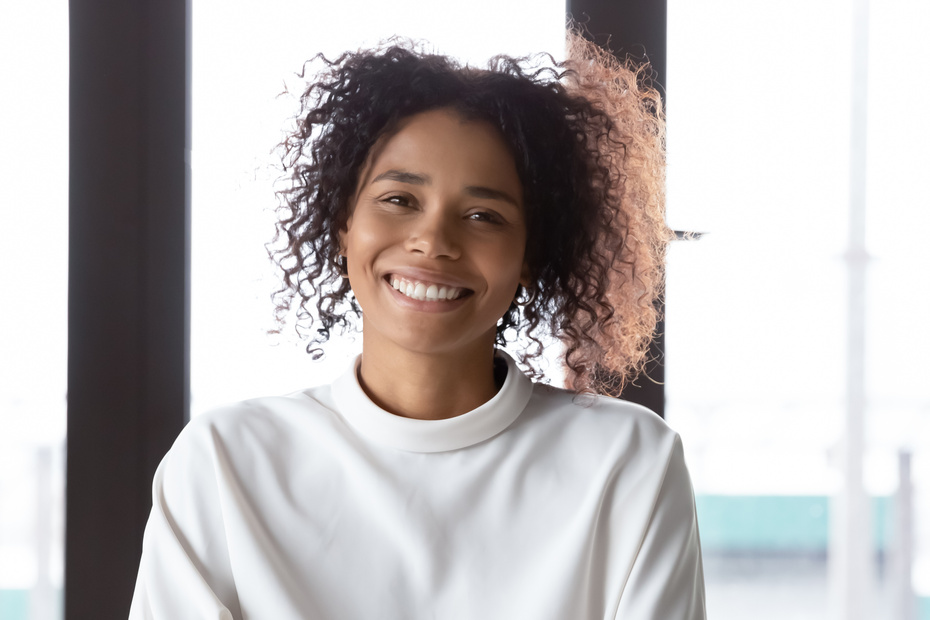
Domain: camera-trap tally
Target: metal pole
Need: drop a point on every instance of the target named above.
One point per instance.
(637, 28)
(41, 598)
(128, 284)
(902, 592)
(852, 546)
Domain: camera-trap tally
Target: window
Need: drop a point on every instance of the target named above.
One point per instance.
(33, 329)
(759, 158)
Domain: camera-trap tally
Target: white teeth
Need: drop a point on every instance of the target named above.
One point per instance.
(425, 292)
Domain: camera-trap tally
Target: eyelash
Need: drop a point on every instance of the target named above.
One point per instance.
(485, 217)
(397, 199)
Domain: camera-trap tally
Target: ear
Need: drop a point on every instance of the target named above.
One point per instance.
(526, 278)
(342, 235)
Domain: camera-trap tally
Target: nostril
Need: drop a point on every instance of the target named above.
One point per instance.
(433, 244)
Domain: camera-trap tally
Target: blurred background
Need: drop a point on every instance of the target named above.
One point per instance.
(796, 359)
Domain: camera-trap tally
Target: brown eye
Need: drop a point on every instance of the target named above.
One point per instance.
(484, 216)
(397, 199)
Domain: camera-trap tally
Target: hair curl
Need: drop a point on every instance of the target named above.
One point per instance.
(588, 141)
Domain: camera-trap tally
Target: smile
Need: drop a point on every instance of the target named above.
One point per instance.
(425, 291)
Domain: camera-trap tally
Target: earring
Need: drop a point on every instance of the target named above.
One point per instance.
(531, 296)
(342, 267)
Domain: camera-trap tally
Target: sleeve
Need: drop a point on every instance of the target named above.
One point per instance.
(666, 581)
(185, 569)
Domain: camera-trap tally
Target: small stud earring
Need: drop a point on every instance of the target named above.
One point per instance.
(530, 297)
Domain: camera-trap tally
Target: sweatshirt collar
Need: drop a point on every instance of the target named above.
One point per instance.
(415, 435)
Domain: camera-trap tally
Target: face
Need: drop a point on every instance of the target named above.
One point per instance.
(435, 242)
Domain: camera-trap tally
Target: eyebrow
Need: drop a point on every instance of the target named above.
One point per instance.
(403, 177)
(493, 194)
(414, 178)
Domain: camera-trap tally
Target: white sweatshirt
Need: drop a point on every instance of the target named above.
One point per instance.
(320, 505)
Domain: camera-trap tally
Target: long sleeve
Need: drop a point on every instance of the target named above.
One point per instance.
(185, 569)
(298, 507)
(666, 581)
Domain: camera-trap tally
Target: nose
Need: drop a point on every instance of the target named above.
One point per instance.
(434, 236)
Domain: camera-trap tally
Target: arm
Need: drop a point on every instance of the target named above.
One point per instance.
(666, 581)
(185, 569)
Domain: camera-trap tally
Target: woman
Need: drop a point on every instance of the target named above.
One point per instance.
(451, 209)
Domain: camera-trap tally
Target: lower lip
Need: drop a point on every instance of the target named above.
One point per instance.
(422, 305)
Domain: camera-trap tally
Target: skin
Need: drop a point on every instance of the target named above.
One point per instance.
(440, 202)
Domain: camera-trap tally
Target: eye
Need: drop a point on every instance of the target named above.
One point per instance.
(485, 216)
(401, 200)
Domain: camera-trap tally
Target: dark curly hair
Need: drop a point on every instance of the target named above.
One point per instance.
(587, 137)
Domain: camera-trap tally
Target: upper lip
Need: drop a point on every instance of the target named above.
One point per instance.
(428, 276)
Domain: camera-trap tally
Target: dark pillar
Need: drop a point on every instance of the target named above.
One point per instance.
(128, 305)
(635, 29)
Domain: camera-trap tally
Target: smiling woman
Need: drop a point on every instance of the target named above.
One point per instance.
(448, 207)
(586, 147)
(442, 211)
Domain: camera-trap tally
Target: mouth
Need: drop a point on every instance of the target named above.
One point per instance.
(422, 290)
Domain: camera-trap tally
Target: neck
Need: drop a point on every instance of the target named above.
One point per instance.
(427, 386)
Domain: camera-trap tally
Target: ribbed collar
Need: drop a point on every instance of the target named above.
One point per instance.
(413, 435)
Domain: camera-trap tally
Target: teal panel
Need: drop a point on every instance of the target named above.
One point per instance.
(779, 523)
(923, 608)
(882, 521)
(14, 604)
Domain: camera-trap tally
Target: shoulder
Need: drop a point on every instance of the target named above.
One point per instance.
(259, 425)
(589, 433)
(610, 418)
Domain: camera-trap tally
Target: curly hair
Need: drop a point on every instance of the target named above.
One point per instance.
(587, 137)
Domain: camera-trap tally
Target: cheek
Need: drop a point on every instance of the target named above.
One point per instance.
(365, 236)
(516, 253)
(508, 266)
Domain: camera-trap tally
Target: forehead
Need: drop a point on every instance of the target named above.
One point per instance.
(443, 143)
